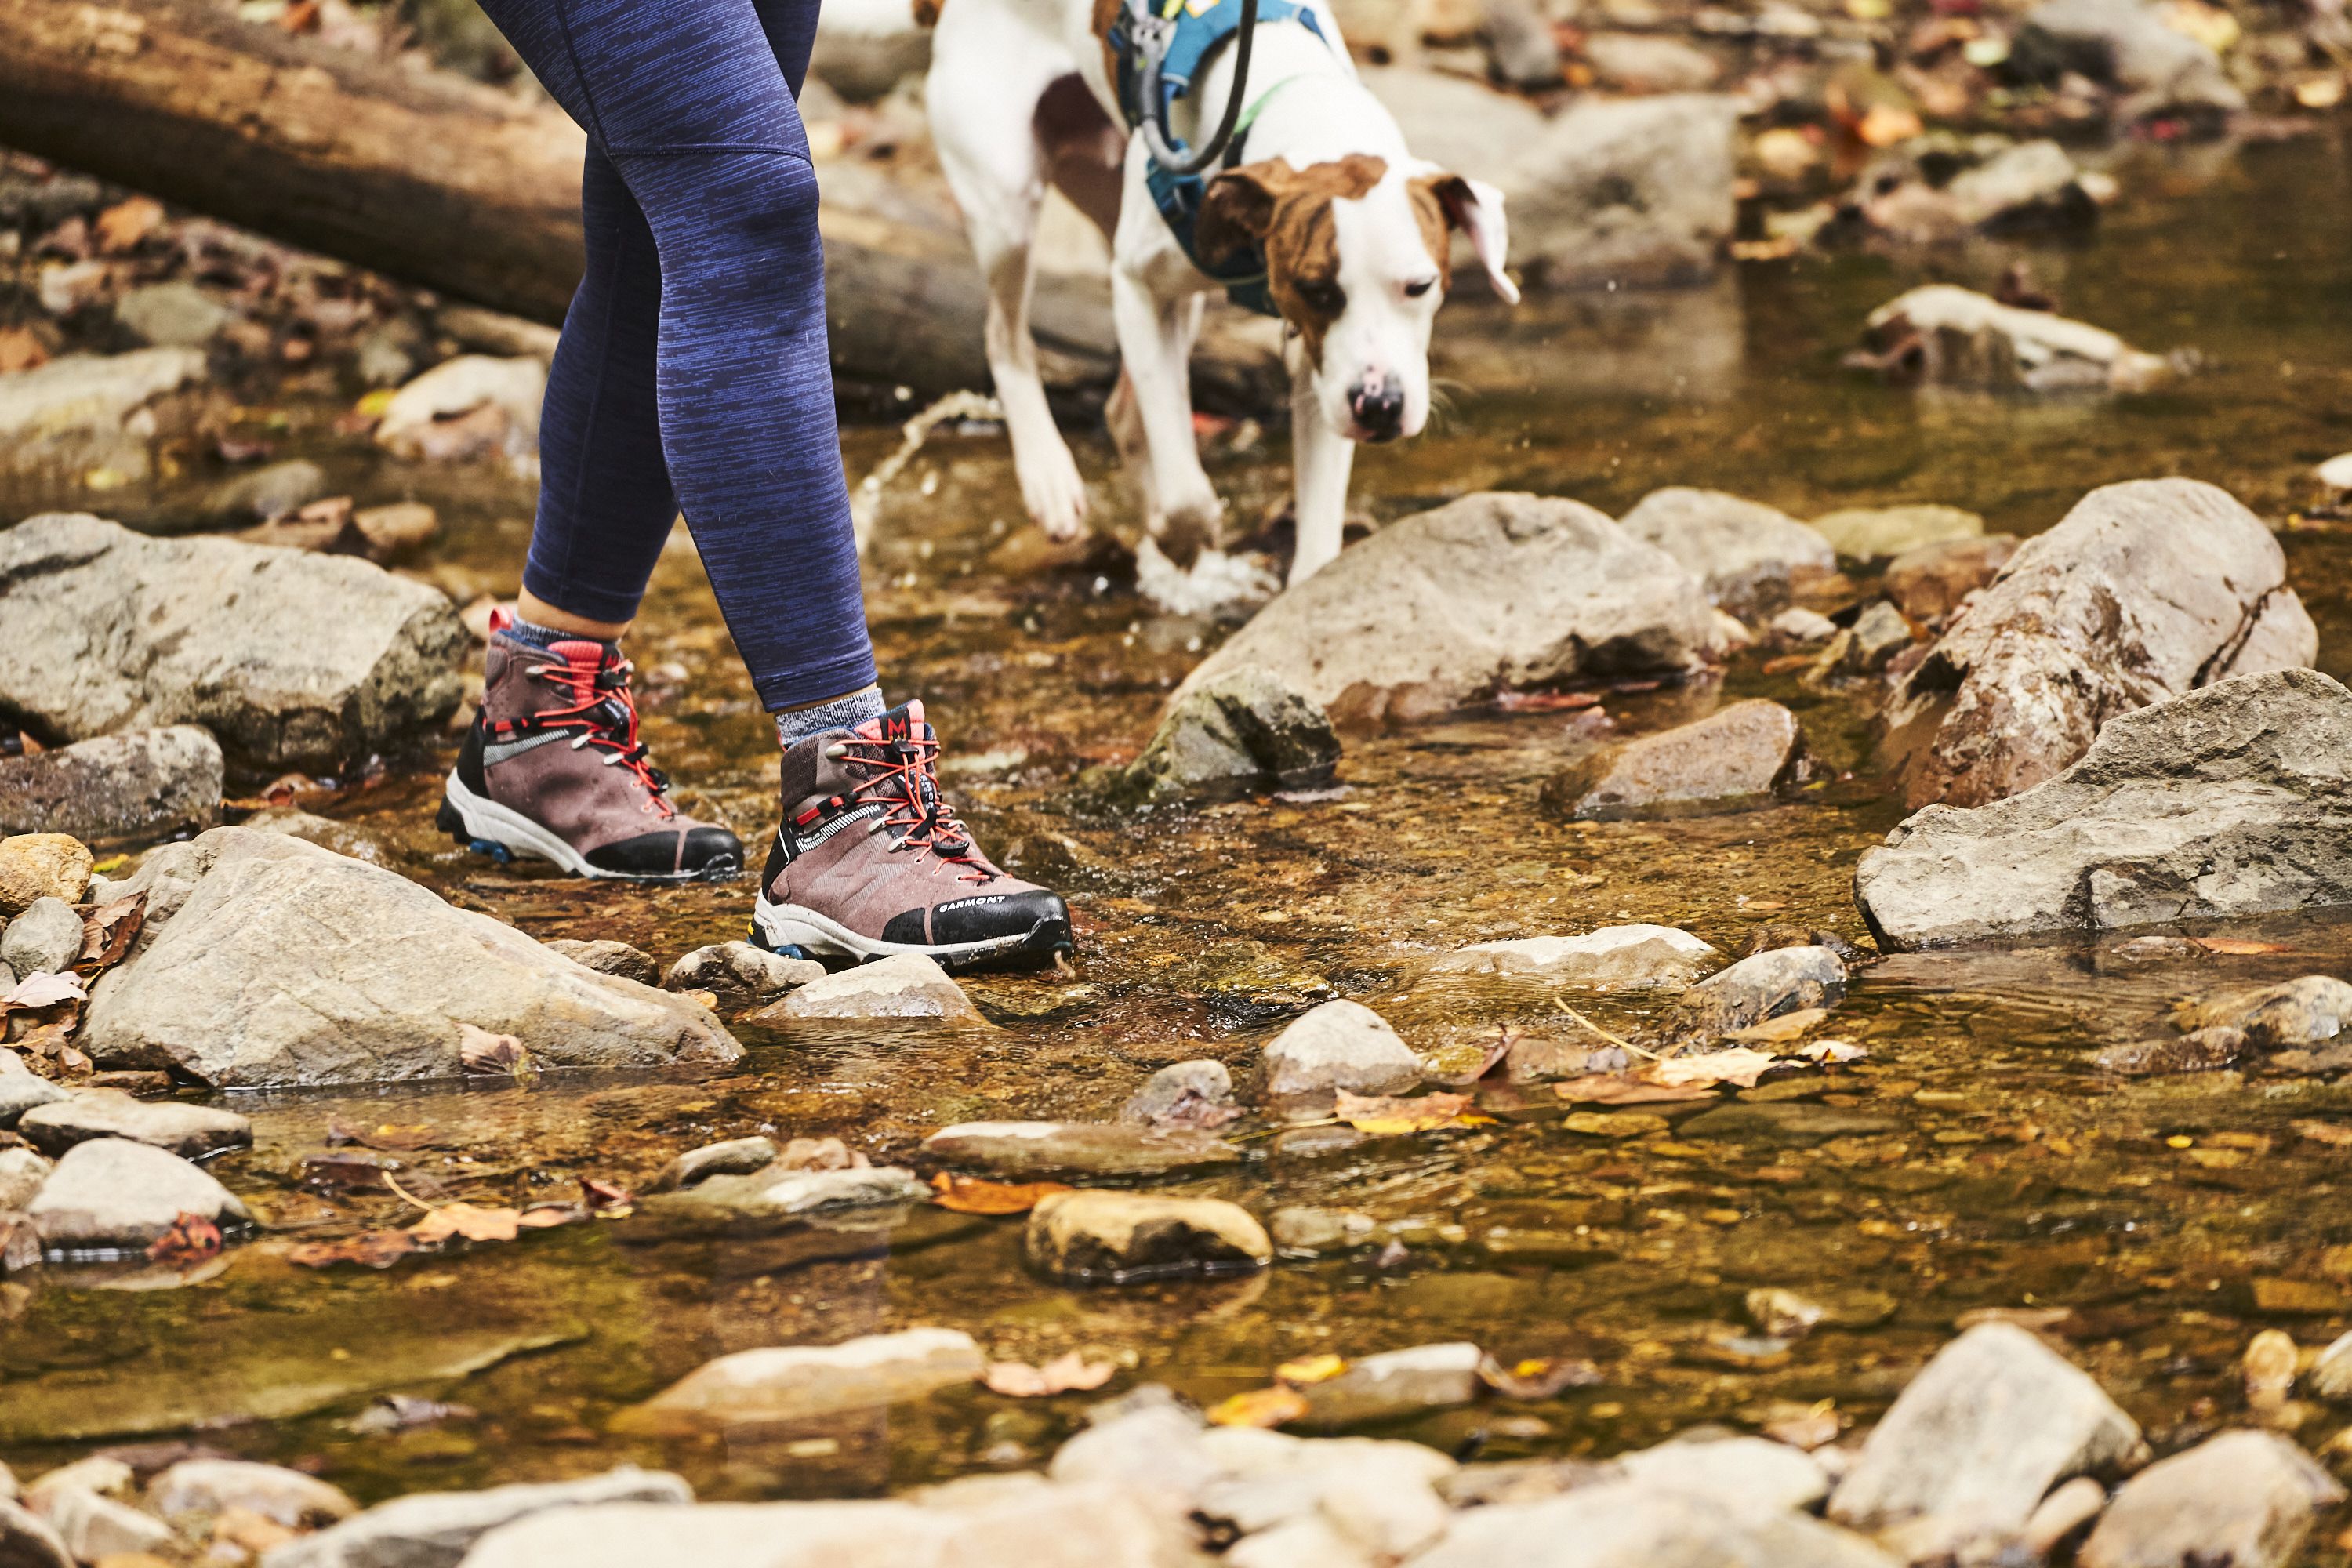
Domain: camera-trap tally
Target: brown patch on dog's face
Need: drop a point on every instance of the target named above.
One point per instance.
(1429, 210)
(1289, 211)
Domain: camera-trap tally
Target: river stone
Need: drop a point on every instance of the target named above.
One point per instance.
(1637, 1525)
(1181, 1090)
(1243, 729)
(1928, 583)
(2201, 1050)
(1023, 1150)
(22, 1172)
(112, 1193)
(1785, 980)
(2146, 590)
(435, 1529)
(2244, 1499)
(2130, 44)
(1950, 336)
(208, 1487)
(284, 963)
(1733, 757)
(267, 493)
(1614, 958)
(735, 1157)
(96, 1529)
(1864, 648)
(290, 659)
(191, 1132)
(1496, 590)
(1323, 1503)
(1340, 1045)
(1113, 1237)
(43, 939)
(1750, 555)
(424, 418)
(2225, 803)
(1752, 1476)
(2299, 1013)
(793, 1382)
(26, 1540)
(605, 956)
(1873, 533)
(177, 313)
(84, 413)
(1987, 1428)
(762, 1199)
(904, 985)
(1803, 628)
(1645, 62)
(42, 866)
(1394, 1383)
(116, 789)
(740, 974)
(1618, 193)
(2330, 1377)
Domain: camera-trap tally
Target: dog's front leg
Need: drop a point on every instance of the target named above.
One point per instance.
(1155, 341)
(1320, 460)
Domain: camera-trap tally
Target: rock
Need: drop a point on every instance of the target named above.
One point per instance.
(42, 866)
(1933, 190)
(110, 1192)
(862, 66)
(1614, 958)
(342, 838)
(1737, 756)
(1928, 583)
(2330, 1377)
(2225, 803)
(83, 413)
(1634, 1524)
(794, 1383)
(1803, 628)
(435, 1529)
(112, 631)
(1751, 1476)
(496, 333)
(1351, 1500)
(1106, 1238)
(22, 1172)
(906, 986)
(2336, 472)
(1943, 336)
(209, 1487)
(469, 407)
(1394, 1383)
(1873, 533)
(2202, 1051)
(241, 980)
(1026, 1150)
(2245, 1498)
(1646, 62)
(763, 1198)
(2129, 44)
(735, 1157)
(1494, 591)
(102, 1474)
(267, 493)
(2299, 1013)
(1988, 1427)
(2146, 590)
(1862, 650)
(1242, 730)
(191, 1132)
(43, 939)
(27, 1541)
(1750, 555)
(95, 1528)
(740, 974)
(116, 789)
(1785, 980)
(173, 314)
(608, 957)
(1146, 1438)
(1340, 1045)
(1182, 1092)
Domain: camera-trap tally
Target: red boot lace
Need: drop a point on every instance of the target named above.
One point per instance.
(903, 777)
(596, 689)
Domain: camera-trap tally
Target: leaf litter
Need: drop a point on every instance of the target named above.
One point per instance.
(972, 1194)
(1064, 1374)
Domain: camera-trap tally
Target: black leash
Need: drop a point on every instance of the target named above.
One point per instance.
(1152, 34)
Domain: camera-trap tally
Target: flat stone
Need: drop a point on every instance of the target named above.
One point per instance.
(1026, 1150)
(175, 313)
(209, 1487)
(2202, 1050)
(239, 980)
(267, 493)
(42, 866)
(735, 1157)
(1803, 628)
(1951, 336)
(2298, 1013)
(1733, 758)
(740, 974)
(1340, 1045)
(22, 1172)
(45, 938)
(1784, 980)
(27, 1540)
(1930, 582)
(2246, 1498)
(1646, 62)
(1113, 1237)
(1791, 1125)
(608, 957)
(1182, 1091)
(2225, 803)
(436, 1529)
(763, 1198)
(191, 1132)
(1752, 1476)
(1632, 1523)
(783, 1383)
(1243, 730)
(1393, 1384)
(1614, 958)
(116, 789)
(111, 631)
(96, 1528)
(1871, 534)
(1340, 1500)
(1988, 1427)
(2128, 43)
(1864, 648)
(1750, 557)
(906, 985)
(110, 1192)
(84, 413)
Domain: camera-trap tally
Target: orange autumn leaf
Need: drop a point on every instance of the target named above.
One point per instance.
(465, 1220)
(1063, 1374)
(1259, 1407)
(192, 1239)
(2237, 947)
(369, 1250)
(970, 1194)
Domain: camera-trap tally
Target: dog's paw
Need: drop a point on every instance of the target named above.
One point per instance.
(1056, 496)
(1188, 524)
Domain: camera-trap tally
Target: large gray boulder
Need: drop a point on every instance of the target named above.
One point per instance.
(291, 659)
(85, 413)
(2147, 589)
(269, 961)
(116, 789)
(2230, 800)
(1750, 555)
(1497, 590)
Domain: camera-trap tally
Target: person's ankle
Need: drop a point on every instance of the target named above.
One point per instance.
(530, 633)
(844, 712)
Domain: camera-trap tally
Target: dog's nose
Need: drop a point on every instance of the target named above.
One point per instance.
(1378, 407)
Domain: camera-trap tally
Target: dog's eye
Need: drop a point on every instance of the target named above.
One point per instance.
(1322, 296)
(1418, 287)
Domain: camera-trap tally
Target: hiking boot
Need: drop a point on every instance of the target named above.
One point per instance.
(553, 768)
(871, 860)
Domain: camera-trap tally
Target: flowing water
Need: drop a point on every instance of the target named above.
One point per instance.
(1974, 1160)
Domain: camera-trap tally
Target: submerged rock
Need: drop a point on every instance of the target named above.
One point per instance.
(605, 957)
(289, 659)
(269, 961)
(43, 939)
(435, 1529)
(1928, 583)
(1340, 1045)
(212, 1487)
(906, 985)
(1874, 533)
(117, 789)
(2204, 1050)
(1494, 591)
(2245, 1498)
(1750, 557)
(1910, 193)
(112, 1193)
(1614, 958)
(1240, 730)
(740, 974)
(191, 1132)
(2227, 801)
(1735, 757)
(793, 1382)
(177, 313)
(2146, 590)
(1394, 1383)
(35, 866)
(2298, 1013)
(762, 1199)
(1034, 1149)
(1785, 980)
(1944, 335)
(82, 414)
(1196, 1092)
(1114, 1237)
(735, 1157)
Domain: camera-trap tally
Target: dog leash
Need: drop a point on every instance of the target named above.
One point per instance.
(1153, 33)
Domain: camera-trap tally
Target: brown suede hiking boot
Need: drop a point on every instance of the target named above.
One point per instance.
(553, 768)
(871, 860)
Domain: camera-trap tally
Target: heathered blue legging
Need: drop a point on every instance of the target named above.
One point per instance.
(693, 370)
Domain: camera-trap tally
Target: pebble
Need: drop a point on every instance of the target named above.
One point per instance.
(43, 938)
(111, 1193)
(608, 957)
(1612, 958)
(794, 1383)
(269, 492)
(1928, 583)
(2298, 1013)
(1340, 1045)
(191, 1132)
(1112, 1237)
(1733, 758)
(1785, 980)
(1182, 1091)
(735, 1157)
(905, 985)
(2201, 1050)
(41, 866)
(1393, 1385)
(172, 314)
(740, 974)
(1024, 1151)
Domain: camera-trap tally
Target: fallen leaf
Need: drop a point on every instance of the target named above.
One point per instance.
(545, 1216)
(1786, 1026)
(1620, 1089)
(108, 932)
(369, 1250)
(400, 1137)
(1259, 1407)
(192, 1239)
(970, 1194)
(121, 227)
(607, 1194)
(1738, 1066)
(1391, 1114)
(1310, 1368)
(21, 350)
(2236, 947)
(1539, 1378)
(465, 1220)
(37, 992)
(480, 1051)
(1063, 1374)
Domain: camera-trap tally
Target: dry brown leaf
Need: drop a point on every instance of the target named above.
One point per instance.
(1619, 1089)
(1310, 1368)
(1398, 1113)
(35, 993)
(369, 1250)
(20, 349)
(465, 1220)
(605, 1195)
(480, 1051)
(1739, 1066)
(1063, 1374)
(121, 227)
(2237, 947)
(970, 1194)
(1539, 1377)
(1259, 1407)
(192, 1239)
(108, 932)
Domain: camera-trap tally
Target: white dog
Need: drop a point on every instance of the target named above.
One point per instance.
(1317, 210)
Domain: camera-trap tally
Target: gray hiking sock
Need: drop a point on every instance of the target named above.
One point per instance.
(532, 635)
(841, 713)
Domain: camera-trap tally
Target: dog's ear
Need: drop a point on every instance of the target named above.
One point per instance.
(1476, 208)
(1237, 209)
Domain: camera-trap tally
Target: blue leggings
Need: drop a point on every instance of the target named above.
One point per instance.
(694, 370)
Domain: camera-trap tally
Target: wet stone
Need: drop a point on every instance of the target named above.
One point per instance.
(607, 957)
(435, 1529)
(794, 1383)
(1534, 1059)
(1340, 1045)
(191, 1132)
(172, 314)
(110, 1192)
(1928, 583)
(905, 985)
(22, 1172)
(1610, 958)
(2203, 1051)
(1872, 534)
(1195, 1092)
(82, 412)
(1027, 1150)
(1803, 628)
(1634, 1524)
(735, 1157)
(1949, 336)
(1750, 557)
(1393, 1384)
(1244, 729)
(1785, 980)
(27, 1540)
(740, 974)
(1732, 758)
(1112, 1237)
(96, 1528)
(42, 866)
(1754, 1476)
(116, 789)
(1788, 1125)
(208, 1487)
(1863, 648)
(2298, 1013)
(2246, 1498)
(43, 938)
(781, 1193)
(269, 492)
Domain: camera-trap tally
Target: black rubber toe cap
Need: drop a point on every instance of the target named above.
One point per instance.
(709, 854)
